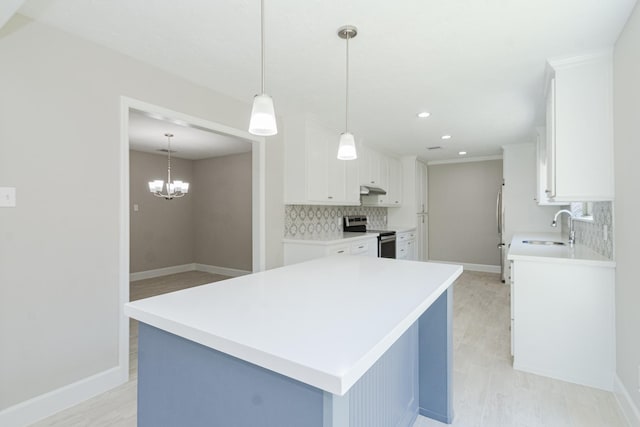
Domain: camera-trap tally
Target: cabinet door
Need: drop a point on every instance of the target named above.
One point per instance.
(394, 192)
(317, 163)
(337, 171)
(411, 250)
(550, 143)
(403, 251)
(421, 187)
(326, 175)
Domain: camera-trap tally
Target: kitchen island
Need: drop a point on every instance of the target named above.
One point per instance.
(334, 342)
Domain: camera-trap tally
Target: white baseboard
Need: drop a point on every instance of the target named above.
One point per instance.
(485, 268)
(45, 405)
(161, 272)
(628, 407)
(213, 269)
(233, 272)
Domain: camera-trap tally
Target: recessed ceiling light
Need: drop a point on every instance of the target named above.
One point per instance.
(462, 153)
(445, 137)
(424, 114)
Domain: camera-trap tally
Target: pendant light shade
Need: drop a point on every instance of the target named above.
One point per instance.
(263, 116)
(347, 147)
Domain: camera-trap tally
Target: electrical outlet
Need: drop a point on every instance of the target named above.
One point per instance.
(605, 232)
(7, 197)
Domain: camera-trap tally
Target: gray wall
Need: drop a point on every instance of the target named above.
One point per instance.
(222, 215)
(211, 225)
(462, 212)
(162, 231)
(59, 248)
(627, 203)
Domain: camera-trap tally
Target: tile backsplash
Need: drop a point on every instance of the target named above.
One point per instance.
(307, 221)
(591, 233)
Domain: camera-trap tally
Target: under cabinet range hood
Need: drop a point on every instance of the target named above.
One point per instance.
(366, 190)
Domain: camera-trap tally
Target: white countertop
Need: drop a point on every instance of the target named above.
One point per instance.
(331, 238)
(324, 322)
(578, 254)
(396, 228)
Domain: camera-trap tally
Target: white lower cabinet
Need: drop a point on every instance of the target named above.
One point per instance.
(563, 321)
(406, 245)
(305, 250)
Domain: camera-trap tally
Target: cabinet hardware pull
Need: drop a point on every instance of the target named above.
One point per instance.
(330, 197)
(340, 252)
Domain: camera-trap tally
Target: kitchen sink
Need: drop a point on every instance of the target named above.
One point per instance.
(543, 242)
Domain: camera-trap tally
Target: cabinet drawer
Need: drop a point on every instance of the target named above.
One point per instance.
(338, 250)
(360, 248)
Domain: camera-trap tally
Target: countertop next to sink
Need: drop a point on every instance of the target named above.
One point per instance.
(578, 254)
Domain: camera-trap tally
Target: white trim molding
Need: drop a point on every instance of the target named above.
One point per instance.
(225, 271)
(39, 407)
(485, 268)
(158, 272)
(213, 269)
(465, 160)
(627, 406)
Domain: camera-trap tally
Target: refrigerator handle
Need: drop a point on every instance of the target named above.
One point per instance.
(498, 211)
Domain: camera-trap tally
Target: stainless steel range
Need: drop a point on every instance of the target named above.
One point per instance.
(386, 238)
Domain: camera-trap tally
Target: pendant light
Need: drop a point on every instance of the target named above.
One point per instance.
(347, 146)
(176, 188)
(263, 116)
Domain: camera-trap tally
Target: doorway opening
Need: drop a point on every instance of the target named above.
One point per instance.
(196, 149)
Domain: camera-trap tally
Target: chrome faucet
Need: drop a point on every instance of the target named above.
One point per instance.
(572, 232)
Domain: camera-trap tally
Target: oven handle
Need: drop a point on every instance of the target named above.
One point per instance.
(387, 238)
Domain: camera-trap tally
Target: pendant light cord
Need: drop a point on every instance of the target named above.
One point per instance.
(262, 43)
(346, 111)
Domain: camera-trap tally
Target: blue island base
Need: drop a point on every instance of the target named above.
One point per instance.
(182, 383)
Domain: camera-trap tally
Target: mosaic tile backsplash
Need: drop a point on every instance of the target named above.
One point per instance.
(591, 234)
(302, 221)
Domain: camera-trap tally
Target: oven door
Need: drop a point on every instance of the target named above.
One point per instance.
(387, 246)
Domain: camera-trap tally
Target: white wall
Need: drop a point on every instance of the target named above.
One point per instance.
(627, 204)
(59, 145)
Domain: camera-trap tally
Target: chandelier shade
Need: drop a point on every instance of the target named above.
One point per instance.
(175, 189)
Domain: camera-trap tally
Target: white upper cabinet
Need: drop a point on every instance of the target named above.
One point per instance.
(382, 171)
(394, 192)
(313, 173)
(541, 169)
(374, 168)
(579, 129)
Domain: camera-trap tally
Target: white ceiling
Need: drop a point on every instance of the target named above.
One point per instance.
(476, 65)
(146, 133)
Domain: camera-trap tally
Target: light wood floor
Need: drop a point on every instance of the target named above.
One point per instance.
(488, 392)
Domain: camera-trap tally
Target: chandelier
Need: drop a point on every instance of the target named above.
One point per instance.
(176, 188)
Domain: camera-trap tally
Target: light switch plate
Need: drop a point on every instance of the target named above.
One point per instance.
(7, 197)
